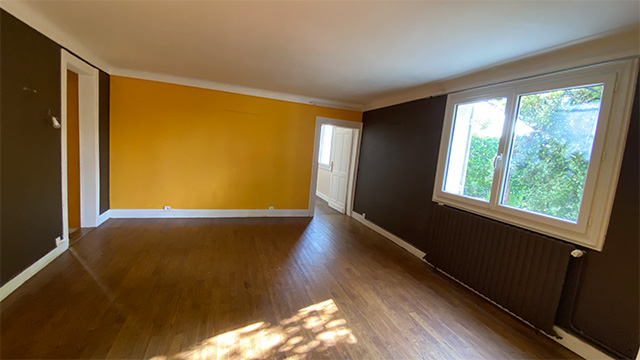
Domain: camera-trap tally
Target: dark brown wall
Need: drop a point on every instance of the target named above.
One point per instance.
(398, 158)
(602, 295)
(104, 93)
(30, 184)
(394, 187)
(30, 195)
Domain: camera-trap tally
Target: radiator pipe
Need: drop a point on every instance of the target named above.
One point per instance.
(572, 327)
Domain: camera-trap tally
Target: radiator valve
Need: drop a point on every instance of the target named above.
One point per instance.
(578, 253)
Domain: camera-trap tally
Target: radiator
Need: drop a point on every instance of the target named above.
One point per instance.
(520, 270)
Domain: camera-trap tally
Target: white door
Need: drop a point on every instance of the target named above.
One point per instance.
(340, 161)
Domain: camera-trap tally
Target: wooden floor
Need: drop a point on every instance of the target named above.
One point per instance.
(253, 288)
(77, 234)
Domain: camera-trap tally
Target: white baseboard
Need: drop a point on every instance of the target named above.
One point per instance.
(25, 275)
(103, 217)
(204, 213)
(566, 339)
(322, 196)
(403, 244)
(578, 345)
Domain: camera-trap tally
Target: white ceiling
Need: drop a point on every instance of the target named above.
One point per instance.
(344, 51)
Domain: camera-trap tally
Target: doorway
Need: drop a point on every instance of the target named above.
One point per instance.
(337, 143)
(79, 145)
(333, 165)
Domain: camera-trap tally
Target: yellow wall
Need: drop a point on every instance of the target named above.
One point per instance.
(193, 148)
(73, 150)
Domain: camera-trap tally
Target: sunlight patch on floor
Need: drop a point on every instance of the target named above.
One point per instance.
(312, 329)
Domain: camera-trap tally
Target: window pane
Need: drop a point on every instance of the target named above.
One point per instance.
(476, 134)
(326, 135)
(551, 151)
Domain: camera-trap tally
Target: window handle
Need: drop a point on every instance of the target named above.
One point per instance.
(495, 161)
(332, 166)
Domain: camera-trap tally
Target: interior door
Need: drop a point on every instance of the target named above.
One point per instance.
(340, 161)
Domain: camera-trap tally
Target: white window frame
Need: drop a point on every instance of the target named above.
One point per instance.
(322, 136)
(602, 177)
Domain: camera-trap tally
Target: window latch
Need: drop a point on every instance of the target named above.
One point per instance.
(496, 160)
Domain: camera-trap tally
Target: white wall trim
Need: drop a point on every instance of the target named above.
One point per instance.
(566, 339)
(204, 213)
(27, 273)
(236, 89)
(42, 24)
(403, 244)
(355, 157)
(88, 85)
(103, 217)
(618, 44)
(578, 345)
(322, 196)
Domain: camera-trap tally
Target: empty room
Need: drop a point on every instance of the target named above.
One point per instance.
(319, 179)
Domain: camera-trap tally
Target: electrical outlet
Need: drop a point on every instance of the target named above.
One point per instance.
(167, 208)
(270, 207)
(58, 241)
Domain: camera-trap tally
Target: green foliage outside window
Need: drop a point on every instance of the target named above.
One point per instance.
(549, 158)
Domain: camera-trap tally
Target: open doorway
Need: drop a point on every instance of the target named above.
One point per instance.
(333, 165)
(79, 146)
(337, 143)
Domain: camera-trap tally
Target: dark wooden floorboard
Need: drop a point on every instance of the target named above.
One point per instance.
(188, 288)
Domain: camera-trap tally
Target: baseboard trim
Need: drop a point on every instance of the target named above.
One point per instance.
(565, 339)
(103, 217)
(403, 244)
(577, 345)
(27, 273)
(322, 196)
(204, 213)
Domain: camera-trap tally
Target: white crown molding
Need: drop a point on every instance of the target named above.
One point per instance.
(204, 213)
(613, 45)
(22, 11)
(42, 24)
(236, 89)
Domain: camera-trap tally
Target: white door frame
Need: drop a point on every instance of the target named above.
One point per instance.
(353, 166)
(89, 151)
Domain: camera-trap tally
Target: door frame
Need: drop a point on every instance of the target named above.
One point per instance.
(88, 115)
(355, 156)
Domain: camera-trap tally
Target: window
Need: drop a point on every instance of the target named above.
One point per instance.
(474, 145)
(542, 153)
(326, 136)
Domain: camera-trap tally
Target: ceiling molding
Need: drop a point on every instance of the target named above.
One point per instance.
(236, 89)
(43, 25)
(590, 50)
(24, 13)
(609, 46)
